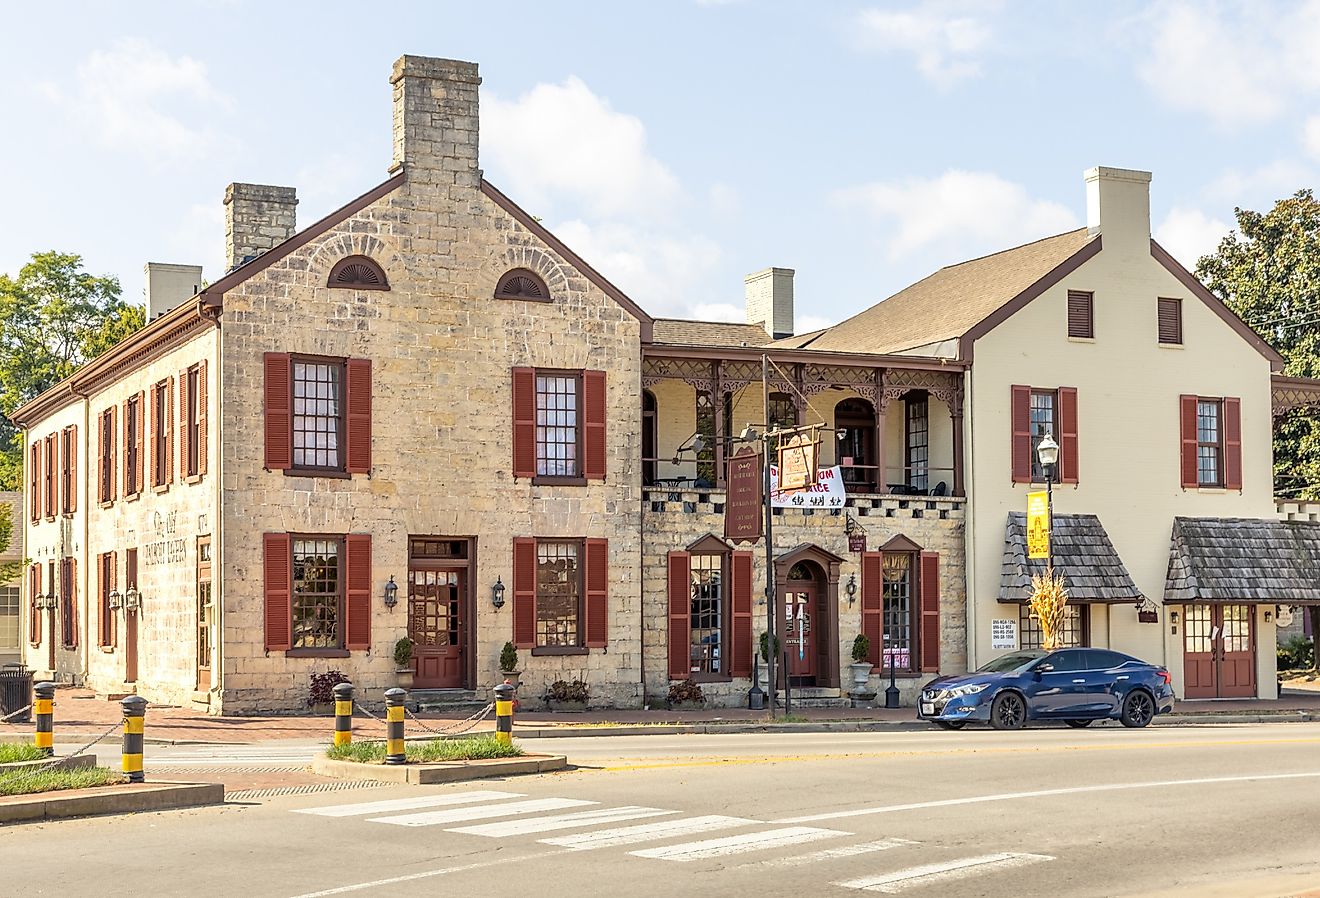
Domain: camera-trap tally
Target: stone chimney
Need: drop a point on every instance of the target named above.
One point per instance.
(169, 286)
(258, 217)
(436, 121)
(1118, 208)
(769, 295)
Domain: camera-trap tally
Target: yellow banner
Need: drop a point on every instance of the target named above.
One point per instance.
(1038, 525)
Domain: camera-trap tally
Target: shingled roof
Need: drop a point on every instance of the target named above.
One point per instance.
(1092, 570)
(1244, 560)
(678, 332)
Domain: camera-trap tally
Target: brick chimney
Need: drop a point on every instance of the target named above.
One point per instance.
(436, 121)
(1118, 208)
(769, 296)
(169, 286)
(258, 217)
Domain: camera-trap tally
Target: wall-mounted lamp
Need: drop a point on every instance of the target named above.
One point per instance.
(1269, 616)
(132, 599)
(851, 589)
(1173, 617)
(39, 600)
(116, 599)
(391, 593)
(497, 593)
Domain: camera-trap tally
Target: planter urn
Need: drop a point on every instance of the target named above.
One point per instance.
(510, 677)
(861, 674)
(404, 677)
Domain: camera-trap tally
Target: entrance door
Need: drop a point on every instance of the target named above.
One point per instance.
(435, 624)
(800, 634)
(204, 610)
(1219, 651)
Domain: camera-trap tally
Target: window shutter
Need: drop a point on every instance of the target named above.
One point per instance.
(71, 638)
(524, 593)
(740, 589)
(1187, 416)
(358, 402)
(34, 482)
(524, 422)
(1081, 320)
(930, 612)
(34, 616)
(1021, 420)
(71, 500)
(279, 586)
(680, 633)
(140, 443)
(130, 485)
(52, 475)
(100, 459)
(185, 436)
(113, 482)
(597, 580)
(155, 442)
(357, 629)
(279, 411)
(873, 604)
(203, 437)
(1169, 316)
(1068, 460)
(169, 431)
(114, 584)
(593, 417)
(1232, 443)
(102, 604)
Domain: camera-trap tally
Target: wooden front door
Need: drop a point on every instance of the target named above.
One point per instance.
(204, 609)
(435, 624)
(800, 633)
(1219, 651)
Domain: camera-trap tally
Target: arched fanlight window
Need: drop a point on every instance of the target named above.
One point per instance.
(521, 283)
(358, 273)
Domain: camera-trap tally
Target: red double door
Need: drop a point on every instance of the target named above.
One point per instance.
(1219, 651)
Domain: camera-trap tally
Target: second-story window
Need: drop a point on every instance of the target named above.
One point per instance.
(1209, 443)
(783, 411)
(318, 417)
(191, 439)
(557, 425)
(161, 434)
(133, 445)
(1043, 421)
(917, 421)
(105, 490)
(68, 470)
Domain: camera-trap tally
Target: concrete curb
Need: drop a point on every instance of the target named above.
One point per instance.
(122, 799)
(429, 774)
(69, 763)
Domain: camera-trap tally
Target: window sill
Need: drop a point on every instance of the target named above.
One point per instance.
(132, 497)
(108, 649)
(542, 650)
(317, 472)
(1072, 339)
(706, 678)
(559, 481)
(193, 478)
(316, 653)
(161, 488)
(1209, 489)
(108, 504)
(1170, 345)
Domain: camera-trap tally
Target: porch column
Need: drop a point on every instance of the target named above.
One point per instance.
(956, 418)
(717, 386)
(881, 486)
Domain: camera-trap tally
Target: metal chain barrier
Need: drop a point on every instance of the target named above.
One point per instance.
(54, 763)
(454, 728)
(8, 717)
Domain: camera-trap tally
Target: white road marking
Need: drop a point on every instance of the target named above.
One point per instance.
(406, 804)
(1042, 793)
(532, 806)
(560, 821)
(828, 854)
(413, 877)
(648, 832)
(760, 841)
(892, 883)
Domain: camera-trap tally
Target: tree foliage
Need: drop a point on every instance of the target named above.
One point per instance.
(54, 317)
(9, 570)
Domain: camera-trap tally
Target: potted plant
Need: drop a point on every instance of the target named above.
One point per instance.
(686, 696)
(763, 676)
(861, 668)
(320, 692)
(403, 656)
(566, 695)
(509, 664)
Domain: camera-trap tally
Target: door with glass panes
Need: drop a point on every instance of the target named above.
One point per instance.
(437, 612)
(1219, 651)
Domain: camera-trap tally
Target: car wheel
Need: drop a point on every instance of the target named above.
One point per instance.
(1079, 723)
(1009, 711)
(951, 724)
(1138, 709)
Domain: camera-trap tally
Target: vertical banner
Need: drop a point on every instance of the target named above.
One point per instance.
(743, 506)
(1038, 525)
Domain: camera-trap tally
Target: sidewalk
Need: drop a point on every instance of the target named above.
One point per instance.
(78, 711)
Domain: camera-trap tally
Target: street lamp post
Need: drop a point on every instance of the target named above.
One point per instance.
(1048, 453)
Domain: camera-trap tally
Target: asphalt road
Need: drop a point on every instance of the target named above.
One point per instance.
(1222, 810)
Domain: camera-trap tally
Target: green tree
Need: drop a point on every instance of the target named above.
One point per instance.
(54, 317)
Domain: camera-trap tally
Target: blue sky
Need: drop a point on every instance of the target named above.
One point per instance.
(676, 145)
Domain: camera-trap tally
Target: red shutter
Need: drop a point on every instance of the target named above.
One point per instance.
(357, 631)
(1068, 460)
(114, 584)
(1187, 415)
(597, 579)
(156, 478)
(279, 412)
(102, 603)
(140, 442)
(524, 422)
(593, 419)
(524, 593)
(34, 616)
(72, 501)
(130, 484)
(114, 454)
(873, 606)
(185, 435)
(1232, 443)
(740, 591)
(34, 482)
(930, 611)
(358, 402)
(279, 584)
(52, 476)
(680, 632)
(71, 639)
(202, 419)
(169, 430)
(1020, 416)
(100, 459)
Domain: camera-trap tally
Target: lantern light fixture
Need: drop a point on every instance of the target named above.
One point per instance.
(391, 593)
(497, 593)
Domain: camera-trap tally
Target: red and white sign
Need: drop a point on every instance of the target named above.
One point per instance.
(828, 491)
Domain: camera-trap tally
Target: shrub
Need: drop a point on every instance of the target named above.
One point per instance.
(764, 637)
(403, 652)
(861, 649)
(1298, 653)
(566, 691)
(508, 658)
(321, 691)
(686, 691)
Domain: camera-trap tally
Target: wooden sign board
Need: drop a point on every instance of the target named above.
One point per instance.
(744, 505)
(797, 462)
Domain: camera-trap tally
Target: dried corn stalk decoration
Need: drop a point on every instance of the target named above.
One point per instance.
(1049, 599)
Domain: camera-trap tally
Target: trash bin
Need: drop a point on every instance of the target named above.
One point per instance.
(15, 693)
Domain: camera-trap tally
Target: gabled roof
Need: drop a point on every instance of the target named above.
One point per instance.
(678, 332)
(1244, 560)
(1083, 554)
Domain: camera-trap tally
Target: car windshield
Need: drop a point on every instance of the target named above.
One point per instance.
(1009, 662)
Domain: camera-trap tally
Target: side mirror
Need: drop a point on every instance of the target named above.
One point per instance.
(1044, 668)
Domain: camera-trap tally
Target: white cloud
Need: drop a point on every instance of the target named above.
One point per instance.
(1311, 136)
(1188, 234)
(805, 324)
(967, 211)
(1273, 180)
(945, 38)
(136, 97)
(719, 311)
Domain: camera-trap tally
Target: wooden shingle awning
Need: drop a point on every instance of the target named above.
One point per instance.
(1092, 571)
(1244, 561)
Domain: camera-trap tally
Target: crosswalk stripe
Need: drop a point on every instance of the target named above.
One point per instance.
(770, 838)
(796, 860)
(892, 883)
(432, 818)
(647, 832)
(407, 804)
(560, 821)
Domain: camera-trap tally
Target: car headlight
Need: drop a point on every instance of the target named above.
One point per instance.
(959, 691)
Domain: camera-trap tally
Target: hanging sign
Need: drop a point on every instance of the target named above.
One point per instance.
(828, 491)
(797, 461)
(856, 542)
(1038, 525)
(743, 506)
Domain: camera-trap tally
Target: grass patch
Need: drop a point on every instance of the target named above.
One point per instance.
(476, 749)
(54, 780)
(20, 751)
(790, 718)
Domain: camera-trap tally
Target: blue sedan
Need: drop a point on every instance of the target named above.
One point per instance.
(1076, 686)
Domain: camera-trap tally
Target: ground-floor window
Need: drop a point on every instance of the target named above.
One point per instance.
(1076, 627)
(317, 593)
(707, 613)
(558, 594)
(9, 617)
(898, 612)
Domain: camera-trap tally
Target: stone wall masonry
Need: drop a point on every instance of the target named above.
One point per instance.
(258, 217)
